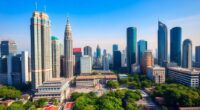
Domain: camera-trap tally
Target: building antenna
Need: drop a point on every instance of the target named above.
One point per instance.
(36, 6)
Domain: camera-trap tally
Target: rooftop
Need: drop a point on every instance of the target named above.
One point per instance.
(95, 77)
(185, 70)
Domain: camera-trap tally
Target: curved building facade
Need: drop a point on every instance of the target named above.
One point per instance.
(131, 47)
(187, 54)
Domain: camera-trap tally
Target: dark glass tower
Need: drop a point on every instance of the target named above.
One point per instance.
(98, 51)
(175, 45)
(131, 47)
(88, 50)
(162, 44)
(8, 47)
(197, 56)
(117, 60)
(115, 47)
(142, 47)
(187, 54)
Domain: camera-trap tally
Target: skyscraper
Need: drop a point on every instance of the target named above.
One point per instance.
(7, 47)
(131, 47)
(88, 51)
(41, 61)
(68, 52)
(115, 47)
(147, 60)
(55, 43)
(117, 60)
(197, 56)
(142, 47)
(162, 44)
(187, 54)
(105, 60)
(78, 54)
(98, 50)
(175, 45)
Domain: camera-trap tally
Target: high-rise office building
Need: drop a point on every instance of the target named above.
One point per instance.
(131, 47)
(78, 54)
(105, 60)
(115, 47)
(55, 44)
(7, 47)
(142, 47)
(123, 59)
(147, 60)
(41, 60)
(175, 45)
(25, 69)
(117, 60)
(88, 50)
(162, 44)
(86, 64)
(197, 56)
(98, 50)
(187, 54)
(68, 51)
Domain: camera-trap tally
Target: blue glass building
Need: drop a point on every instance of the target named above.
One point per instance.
(162, 44)
(117, 60)
(175, 45)
(131, 47)
(115, 47)
(197, 56)
(142, 47)
(187, 54)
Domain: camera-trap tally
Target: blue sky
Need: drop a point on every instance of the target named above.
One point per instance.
(102, 22)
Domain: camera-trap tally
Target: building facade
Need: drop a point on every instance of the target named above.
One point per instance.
(55, 44)
(197, 56)
(175, 45)
(131, 47)
(68, 51)
(162, 44)
(142, 47)
(157, 74)
(88, 51)
(123, 59)
(105, 61)
(147, 61)
(40, 49)
(117, 60)
(77, 52)
(86, 64)
(188, 77)
(7, 47)
(187, 54)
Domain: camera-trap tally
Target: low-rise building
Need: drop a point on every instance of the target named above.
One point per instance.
(92, 80)
(157, 74)
(188, 77)
(56, 88)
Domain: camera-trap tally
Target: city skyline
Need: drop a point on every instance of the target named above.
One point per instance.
(112, 24)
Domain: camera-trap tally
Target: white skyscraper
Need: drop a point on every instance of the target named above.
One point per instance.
(86, 64)
(26, 75)
(68, 52)
(41, 60)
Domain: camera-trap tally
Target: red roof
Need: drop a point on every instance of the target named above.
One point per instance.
(76, 50)
(68, 105)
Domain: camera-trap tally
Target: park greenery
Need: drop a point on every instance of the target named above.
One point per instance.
(112, 84)
(8, 92)
(113, 100)
(135, 81)
(178, 95)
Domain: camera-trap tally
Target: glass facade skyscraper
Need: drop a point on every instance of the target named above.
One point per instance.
(88, 51)
(7, 47)
(187, 54)
(131, 47)
(142, 47)
(115, 47)
(162, 44)
(98, 51)
(175, 45)
(197, 56)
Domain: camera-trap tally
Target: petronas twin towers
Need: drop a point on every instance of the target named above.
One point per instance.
(41, 56)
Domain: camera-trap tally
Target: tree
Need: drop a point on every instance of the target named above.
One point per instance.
(28, 105)
(16, 106)
(112, 84)
(89, 107)
(2, 107)
(40, 102)
(54, 101)
(82, 102)
(8, 92)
